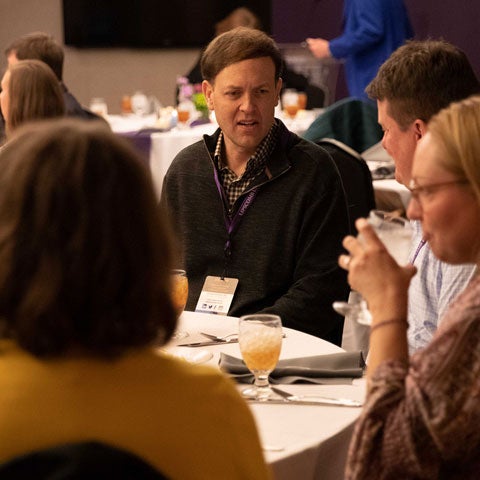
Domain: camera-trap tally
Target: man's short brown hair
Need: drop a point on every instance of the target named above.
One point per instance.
(236, 45)
(422, 77)
(39, 46)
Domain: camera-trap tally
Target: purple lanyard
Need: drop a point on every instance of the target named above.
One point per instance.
(417, 251)
(232, 223)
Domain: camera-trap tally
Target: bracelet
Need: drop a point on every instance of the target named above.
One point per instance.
(388, 322)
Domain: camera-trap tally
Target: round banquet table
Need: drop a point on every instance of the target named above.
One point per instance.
(299, 441)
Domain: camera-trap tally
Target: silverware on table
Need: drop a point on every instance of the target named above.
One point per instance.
(208, 343)
(230, 337)
(312, 399)
(217, 338)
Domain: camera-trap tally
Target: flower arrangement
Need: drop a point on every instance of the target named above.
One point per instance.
(193, 93)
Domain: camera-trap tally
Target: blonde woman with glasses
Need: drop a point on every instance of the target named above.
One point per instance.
(422, 413)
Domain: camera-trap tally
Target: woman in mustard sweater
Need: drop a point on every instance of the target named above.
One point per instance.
(85, 257)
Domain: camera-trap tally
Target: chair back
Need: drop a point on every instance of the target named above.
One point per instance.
(351, 121)
(356, 179)
(79, 461)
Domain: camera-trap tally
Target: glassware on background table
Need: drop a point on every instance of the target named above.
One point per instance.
(99, 106)
(179, 296)
(302, 101)
(396, 234)
(126, 105)
(260, 341)
(140, 103)
(290, 102)
(185, 113)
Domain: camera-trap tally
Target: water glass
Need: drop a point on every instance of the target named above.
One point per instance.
(396, 234)
(260, 341)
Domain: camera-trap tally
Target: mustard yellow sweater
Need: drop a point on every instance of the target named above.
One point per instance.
(188, 421)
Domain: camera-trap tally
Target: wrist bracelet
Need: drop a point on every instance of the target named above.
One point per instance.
(388, 322)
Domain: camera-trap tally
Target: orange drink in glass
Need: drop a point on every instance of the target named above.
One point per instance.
(179, 290)
(260, 341)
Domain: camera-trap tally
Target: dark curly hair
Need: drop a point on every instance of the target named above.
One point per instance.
(85, 252)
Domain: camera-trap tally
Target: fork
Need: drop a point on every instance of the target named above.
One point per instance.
(225, 338)
(217, 338)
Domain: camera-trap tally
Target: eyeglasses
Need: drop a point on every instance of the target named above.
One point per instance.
(420, 193)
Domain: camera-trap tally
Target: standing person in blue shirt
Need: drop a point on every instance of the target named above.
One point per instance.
(373, 29)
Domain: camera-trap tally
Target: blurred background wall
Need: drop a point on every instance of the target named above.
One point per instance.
(110, 73)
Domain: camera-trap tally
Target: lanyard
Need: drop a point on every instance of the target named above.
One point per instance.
(417, 251)
(232, 222)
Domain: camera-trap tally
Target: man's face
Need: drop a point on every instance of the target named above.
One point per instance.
(399, 143)
(244, 96)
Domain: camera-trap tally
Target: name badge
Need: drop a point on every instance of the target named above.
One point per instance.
(217, 295)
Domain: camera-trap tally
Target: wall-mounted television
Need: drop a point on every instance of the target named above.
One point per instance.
(149, 23)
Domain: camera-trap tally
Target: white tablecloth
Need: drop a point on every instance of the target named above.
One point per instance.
(166, 145)
(312, 441)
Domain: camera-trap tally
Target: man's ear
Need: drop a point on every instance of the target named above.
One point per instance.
(207, 90)
(278, 89)
(420, 128)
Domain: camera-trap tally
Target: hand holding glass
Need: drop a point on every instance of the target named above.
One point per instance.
(396, 234)
(260, 341)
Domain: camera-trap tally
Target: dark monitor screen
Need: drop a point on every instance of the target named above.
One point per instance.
(150, 23)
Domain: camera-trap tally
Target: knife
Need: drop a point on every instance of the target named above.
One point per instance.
(209, 343)
(313, 399)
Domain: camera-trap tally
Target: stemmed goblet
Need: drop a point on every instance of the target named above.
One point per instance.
(396, 234)
(260, 341)
(179, 296)
(290, 102)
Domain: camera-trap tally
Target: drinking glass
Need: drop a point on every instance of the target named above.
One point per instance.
(302, 100)
(126, 105)
(140, 104)
(290, 102)
(396, 234)
(185, 113)
(99, 106)
(260, 341)
(179, 296)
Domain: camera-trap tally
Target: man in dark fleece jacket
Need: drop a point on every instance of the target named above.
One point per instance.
(256, 203)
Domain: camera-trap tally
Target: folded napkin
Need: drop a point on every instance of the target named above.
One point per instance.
(335, 368)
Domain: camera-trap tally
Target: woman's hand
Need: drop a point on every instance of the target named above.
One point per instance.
(373, 272)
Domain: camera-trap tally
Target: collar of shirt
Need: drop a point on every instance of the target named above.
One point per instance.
(234, 186)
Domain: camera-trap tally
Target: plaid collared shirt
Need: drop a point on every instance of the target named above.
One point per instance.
(234, 186)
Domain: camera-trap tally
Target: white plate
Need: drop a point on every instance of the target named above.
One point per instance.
(195, 356)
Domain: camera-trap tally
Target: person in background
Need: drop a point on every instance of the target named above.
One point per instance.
(243, 17)
(85, 302)
(41, 46)
(421, 415)
(29, 91)
(419, 79)
(372, 30)
(256, 204)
